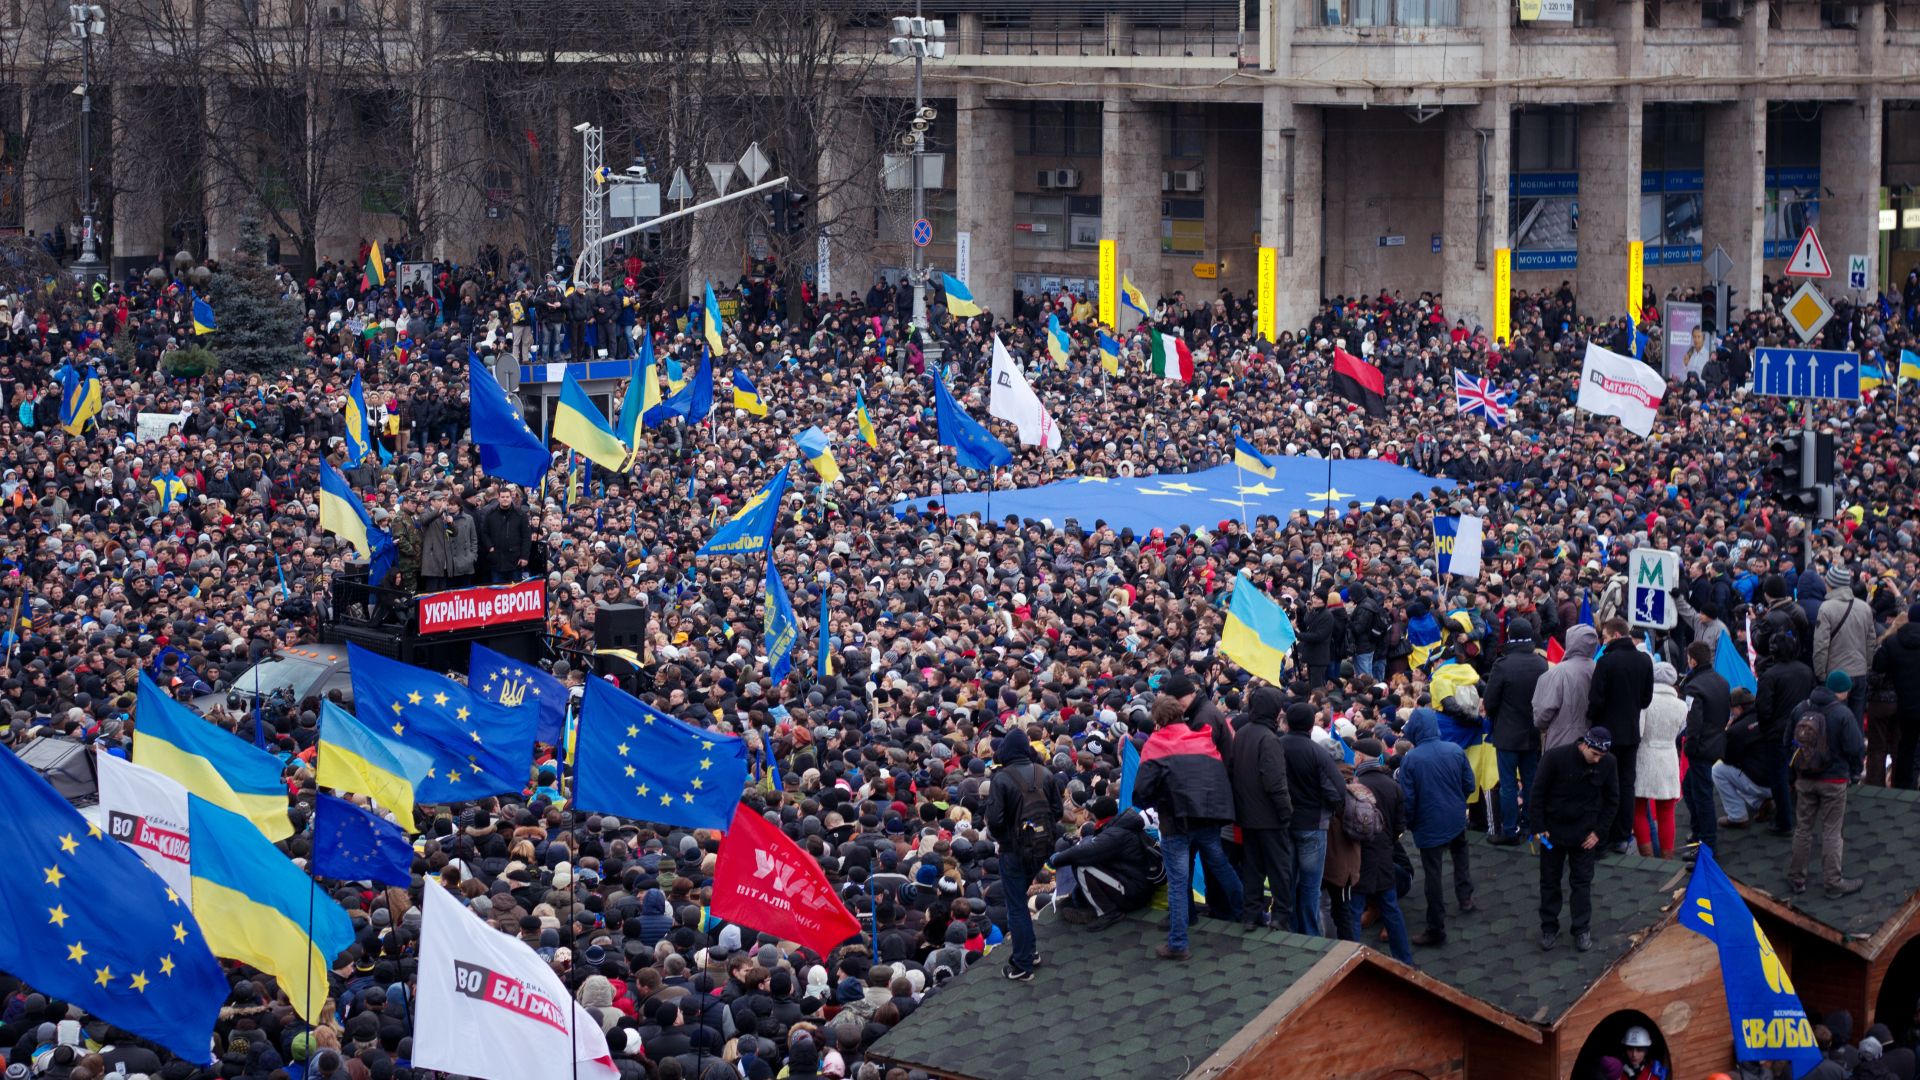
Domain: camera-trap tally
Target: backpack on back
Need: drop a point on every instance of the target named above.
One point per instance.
(1810, 753)
(1033, 836)
(1360, 813)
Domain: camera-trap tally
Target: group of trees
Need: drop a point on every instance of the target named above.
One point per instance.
(450, 118)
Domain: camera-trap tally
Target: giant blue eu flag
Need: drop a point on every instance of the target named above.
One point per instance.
(511, 683)
(638, 762)
(1769, 1023)
(479, 747)
(85, 922)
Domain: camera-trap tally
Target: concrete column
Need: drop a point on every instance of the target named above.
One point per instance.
(1736, 190)
(1609, 152)
(457, 220)
(845, 215)
(983, 196)
(1479, 158)
(1850, 155)
(50, 176)
(1131, 148)
(1292, 180)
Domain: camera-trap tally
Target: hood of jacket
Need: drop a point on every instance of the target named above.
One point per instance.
(1423, 726)
(1130, 820)
(1582, 642)
(1013, 748)
(1908, 635)
(654, 903)
(1821, 698)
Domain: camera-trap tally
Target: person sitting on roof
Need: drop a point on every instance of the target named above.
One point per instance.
(1113, 871)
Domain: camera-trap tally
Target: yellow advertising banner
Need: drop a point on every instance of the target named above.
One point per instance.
(1110, 283)
(1266, 315)
(1502, 294)
(1636, 257)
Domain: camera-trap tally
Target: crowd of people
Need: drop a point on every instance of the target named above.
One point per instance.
(960, 764)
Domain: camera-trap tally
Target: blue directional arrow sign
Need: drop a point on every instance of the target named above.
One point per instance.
(1807, 373)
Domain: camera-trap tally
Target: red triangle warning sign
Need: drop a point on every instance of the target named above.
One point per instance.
(1809, 259)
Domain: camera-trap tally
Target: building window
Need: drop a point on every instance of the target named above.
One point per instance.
(1069, 128)
(1187, 131)
(1183, 226)
(1039, 222)
(1389, 12)
(1673, 153)
(1544, 139)
(1083, 221)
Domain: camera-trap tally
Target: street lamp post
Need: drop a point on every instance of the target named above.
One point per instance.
(919, 38)
(88, 21)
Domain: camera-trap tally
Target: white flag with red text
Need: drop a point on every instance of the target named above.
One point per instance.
(147, 811)
(490, 1007)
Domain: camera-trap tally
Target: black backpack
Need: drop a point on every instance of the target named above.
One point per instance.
(1033, 830)
(1810, 752)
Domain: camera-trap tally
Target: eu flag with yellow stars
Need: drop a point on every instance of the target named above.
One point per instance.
(84, 921)
(634, 761)
(511, 683)
(479, 747)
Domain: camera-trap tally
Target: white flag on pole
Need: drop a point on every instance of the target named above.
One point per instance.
(1615, 385)
(1459, 540)
(490, 1007)
(147, 811)
(1012, 399)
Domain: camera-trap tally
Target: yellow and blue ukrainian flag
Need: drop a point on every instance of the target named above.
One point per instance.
(203, 322)
(256, 907)
(643, 393)
(1109, 352)
(81, 398)
(813, 443)
(750, 530)
(1909, 365)
(746, 395)
(1250, 459)
(960, 300)
(171, 739)
(1057, 343)
(354, 757)
(359, 432)
(341, 511)
(1423, 634)
(1258, 635)
(865, 420)
(1872, 376)
(170, 488)
(710, 323)
(579, 423)
(88, 924)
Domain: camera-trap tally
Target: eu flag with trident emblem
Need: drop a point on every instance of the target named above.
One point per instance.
(478, 747)
(511, 683)
(1769, 1023)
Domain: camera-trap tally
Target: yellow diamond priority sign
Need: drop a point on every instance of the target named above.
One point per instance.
(1807, 311)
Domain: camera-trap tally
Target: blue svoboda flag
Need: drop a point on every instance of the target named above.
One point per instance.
(781, 629)
(635, 761)
(750, 530)
(1769, 1023)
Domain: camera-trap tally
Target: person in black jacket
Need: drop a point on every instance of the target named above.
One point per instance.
(1709, 709)
(1379, 854)
(1784, 682)
(1741, 776)
(506, 539)
(1622, 686)
(1021, 788)
(1577, 793)
(1314, 644)
(1898, 660)
(1257, 766)
(1114, 871)
(1318, 793)
(1508, 701)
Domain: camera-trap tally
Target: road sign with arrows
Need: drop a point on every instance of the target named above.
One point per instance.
(1807, 373)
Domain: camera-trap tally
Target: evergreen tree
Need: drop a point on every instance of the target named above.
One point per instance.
(259, 329)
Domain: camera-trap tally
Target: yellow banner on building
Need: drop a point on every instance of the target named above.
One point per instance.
(1110, 283)
(1502, 294)
(1266, 314)
(1636, 257)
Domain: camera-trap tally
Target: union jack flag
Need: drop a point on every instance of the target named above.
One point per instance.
(1478, 396)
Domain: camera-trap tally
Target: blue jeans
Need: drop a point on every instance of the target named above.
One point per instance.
(1516, 779)
(1365, 664)
(1389, 903)
(1309, 866)
(1014, 878)
(1177, 851)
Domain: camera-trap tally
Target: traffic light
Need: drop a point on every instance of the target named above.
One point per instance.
(777, 210)
(1801, 473)
(796, 212)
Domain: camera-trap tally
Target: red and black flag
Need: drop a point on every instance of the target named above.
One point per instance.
(1359, 382)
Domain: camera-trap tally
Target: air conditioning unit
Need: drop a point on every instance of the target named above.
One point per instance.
(337, 14)
(1189, 180)
(1066, 178)
(1166, 181)
(1045, 180)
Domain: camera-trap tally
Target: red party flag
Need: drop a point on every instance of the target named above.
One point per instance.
(765, 882)
(1555, 652)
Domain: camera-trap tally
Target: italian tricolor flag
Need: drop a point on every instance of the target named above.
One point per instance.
(1171, 357)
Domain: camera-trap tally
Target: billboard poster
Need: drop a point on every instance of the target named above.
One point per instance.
(1544, 214)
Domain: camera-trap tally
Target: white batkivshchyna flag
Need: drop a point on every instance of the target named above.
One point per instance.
(489, 1007)
(1615, 385)
(147, 811)
(1012, 399)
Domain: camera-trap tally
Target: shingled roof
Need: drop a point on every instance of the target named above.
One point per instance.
(1493, 954)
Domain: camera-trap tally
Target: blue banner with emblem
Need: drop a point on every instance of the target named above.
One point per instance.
(1769, 1023)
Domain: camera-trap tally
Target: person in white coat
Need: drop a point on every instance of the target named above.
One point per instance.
(1656, 779)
